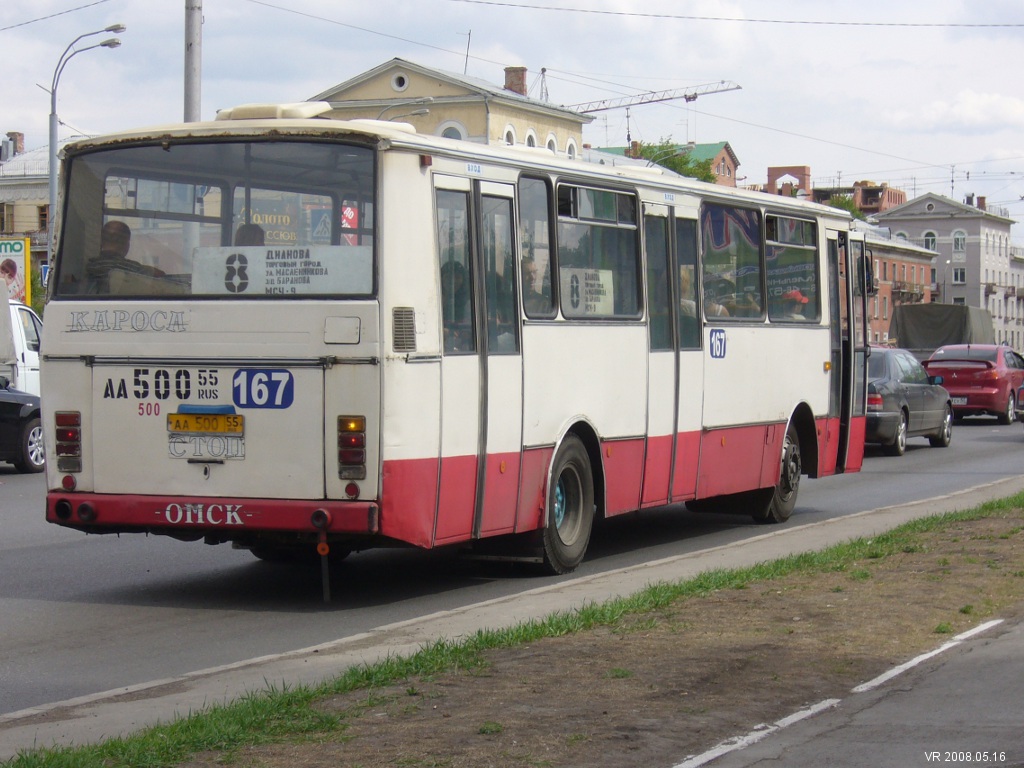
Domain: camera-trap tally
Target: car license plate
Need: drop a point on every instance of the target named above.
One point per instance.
(959, 400)
(206, 423)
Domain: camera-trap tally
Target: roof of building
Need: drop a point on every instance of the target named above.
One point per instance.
(34, 162)
(474, 84)
(917, 208)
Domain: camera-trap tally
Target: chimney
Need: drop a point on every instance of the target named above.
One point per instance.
(981, 203)
(515, 80)
(18, 139)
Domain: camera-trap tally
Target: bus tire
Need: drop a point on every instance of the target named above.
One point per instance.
(570, 508)
(776, 504)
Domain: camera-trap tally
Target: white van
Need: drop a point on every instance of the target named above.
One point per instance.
(20, 329)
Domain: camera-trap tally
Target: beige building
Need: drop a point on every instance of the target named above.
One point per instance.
(459, 107)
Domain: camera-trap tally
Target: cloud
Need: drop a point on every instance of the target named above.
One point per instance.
(968, 112)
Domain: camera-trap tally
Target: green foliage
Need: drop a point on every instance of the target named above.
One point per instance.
(845, 202)
(675, 157)
(38, 292)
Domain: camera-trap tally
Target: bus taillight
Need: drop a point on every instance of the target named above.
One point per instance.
(352, 447)
(68, 444)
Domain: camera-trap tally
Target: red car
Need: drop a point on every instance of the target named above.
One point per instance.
(981, 378)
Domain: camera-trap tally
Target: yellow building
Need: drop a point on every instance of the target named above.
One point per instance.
(459, 107)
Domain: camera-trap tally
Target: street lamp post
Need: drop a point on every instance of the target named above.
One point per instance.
(408, 103)
(69, 53)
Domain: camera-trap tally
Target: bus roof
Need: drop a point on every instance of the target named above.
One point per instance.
(305, 119)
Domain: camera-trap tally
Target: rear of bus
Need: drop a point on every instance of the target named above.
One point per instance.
(211, 354)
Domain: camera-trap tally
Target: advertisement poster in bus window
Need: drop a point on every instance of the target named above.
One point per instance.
(732, 247)
(15, 262)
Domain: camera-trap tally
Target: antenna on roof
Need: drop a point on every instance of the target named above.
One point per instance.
(469, 36)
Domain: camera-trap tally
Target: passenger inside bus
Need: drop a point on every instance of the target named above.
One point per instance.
(115, 242)
(535, 302)
(455, 308)
(793, 305)
(250, 234)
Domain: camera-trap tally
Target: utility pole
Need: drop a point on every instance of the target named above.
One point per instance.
(193, 59)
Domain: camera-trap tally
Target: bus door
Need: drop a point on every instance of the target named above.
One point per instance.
(845, 436)
(676, 367)
(481, 367)
(662, 361)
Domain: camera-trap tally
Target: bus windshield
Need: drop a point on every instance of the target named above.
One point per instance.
(240, 219)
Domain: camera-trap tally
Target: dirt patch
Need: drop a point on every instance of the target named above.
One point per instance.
(675, 683)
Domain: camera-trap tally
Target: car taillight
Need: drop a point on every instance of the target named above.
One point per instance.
(68, 442)
(874, 402)
(352, 447)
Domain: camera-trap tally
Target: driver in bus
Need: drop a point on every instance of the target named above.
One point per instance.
(115, 242)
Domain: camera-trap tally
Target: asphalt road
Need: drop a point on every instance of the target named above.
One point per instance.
(959, 707)
(84, 616)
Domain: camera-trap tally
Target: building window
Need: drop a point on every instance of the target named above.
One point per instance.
(6, 218)
(399, 81)
(930, 240)
(570, 149)
(531, 138)
(44, 218)
(510, 135)
(451, 129)
(959, 241)
(552, 144)
(959, 275)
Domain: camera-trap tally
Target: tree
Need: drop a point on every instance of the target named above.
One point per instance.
(845, 202)
(677, 158)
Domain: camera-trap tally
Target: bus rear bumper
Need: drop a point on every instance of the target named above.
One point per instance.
(226, 519)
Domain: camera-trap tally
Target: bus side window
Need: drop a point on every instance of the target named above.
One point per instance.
(535, 248)
(455, 276)
(658, 308)
(686, 248)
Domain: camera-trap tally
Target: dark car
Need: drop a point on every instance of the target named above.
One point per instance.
(904, 401)
(21, 434)
(981, 378)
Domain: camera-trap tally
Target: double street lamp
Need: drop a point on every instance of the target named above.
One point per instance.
(69, 53)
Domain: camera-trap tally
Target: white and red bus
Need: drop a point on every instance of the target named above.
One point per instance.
(297, 334)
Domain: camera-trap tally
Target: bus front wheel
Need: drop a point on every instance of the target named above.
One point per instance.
(776, 504)
(570, 508)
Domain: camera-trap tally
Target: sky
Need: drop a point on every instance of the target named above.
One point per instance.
(926, 96)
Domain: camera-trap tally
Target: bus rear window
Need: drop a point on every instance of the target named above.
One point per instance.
(226, 220)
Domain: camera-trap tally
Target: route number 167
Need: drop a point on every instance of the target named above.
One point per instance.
(263, 388)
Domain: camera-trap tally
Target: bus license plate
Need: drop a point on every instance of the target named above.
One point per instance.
(206, 423)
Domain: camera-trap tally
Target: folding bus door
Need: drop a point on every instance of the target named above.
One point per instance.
(481, 367)
(845, 442)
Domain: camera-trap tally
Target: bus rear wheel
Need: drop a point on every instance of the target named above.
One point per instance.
(775, 505)
(570, 508)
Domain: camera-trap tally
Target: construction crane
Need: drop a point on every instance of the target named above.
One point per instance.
(652, 97)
